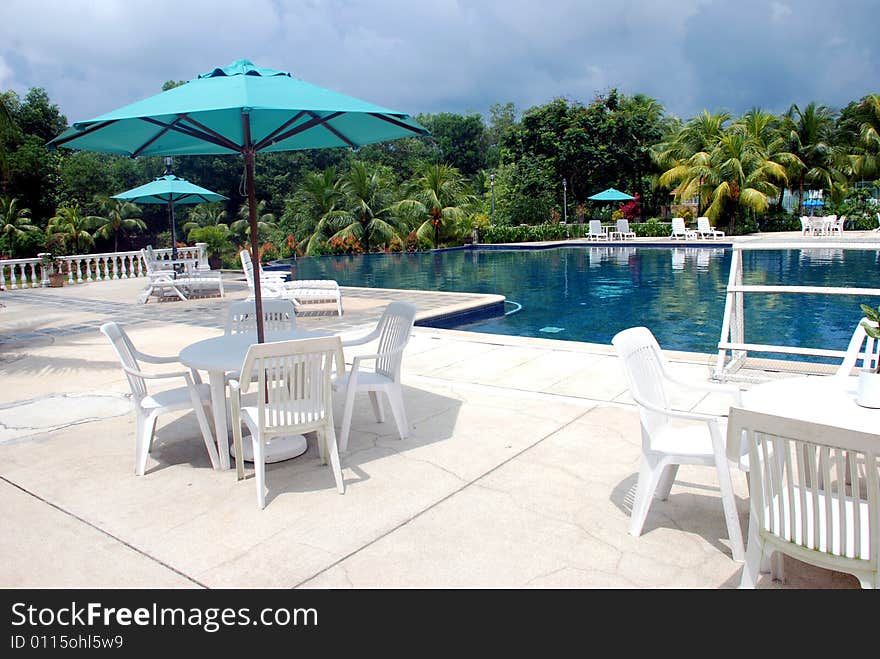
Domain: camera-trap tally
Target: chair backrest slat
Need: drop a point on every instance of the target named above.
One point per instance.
(395, 327)
(644, 366)
(125, 351)
(816, 487)
(279, 315)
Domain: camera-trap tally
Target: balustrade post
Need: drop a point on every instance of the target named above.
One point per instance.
(45, 257)
(203, 256)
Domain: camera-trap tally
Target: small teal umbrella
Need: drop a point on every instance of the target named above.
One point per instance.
(611, 195)
(240, 108)
(172, 190)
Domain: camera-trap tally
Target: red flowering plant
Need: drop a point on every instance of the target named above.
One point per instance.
(632, 210)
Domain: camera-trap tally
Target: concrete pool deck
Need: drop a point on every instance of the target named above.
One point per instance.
(518, 472)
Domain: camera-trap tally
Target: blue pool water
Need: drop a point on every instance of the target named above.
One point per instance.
(591, 293)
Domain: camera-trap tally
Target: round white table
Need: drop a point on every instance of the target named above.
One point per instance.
(222, 354)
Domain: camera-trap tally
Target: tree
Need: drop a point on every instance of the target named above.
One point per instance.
(461, 139)
(440, 199)
(242, 226)
(115, 215)
(205, 215)
(866, 159)
(15, 222)
(808, 135)
(68, 230)
(365, 212)
(309, 211)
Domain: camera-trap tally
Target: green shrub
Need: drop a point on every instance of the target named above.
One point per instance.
(652, 228)
(780, 223)
(525, 233)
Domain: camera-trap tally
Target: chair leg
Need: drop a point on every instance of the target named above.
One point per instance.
(667, 478)
(145, 431)
(259, 470)
(649, 476)
(346, 417)
(728, 501)
(327, 437)
(752, 566)
(339, 305)
(376, 402)
(395, 400)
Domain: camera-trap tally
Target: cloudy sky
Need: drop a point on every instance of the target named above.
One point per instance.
(453, 55)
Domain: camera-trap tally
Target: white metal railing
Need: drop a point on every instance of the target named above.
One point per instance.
(733, 327)
(80, 268)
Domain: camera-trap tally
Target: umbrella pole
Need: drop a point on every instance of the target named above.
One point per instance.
(173, 231)
(255, 244)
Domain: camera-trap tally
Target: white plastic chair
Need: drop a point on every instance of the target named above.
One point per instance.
(595, 231)
(664, 446)
(149, 407)
(806, 226)
(814, 495)
(862, 351)
(291, 381)
(679, 230)
(622, 230)
(705, 230)
(392, 332)
(278, 316)
(297, 291)
(162, 280)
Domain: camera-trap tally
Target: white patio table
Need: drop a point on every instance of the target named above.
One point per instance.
(223, 354)
(826, 400)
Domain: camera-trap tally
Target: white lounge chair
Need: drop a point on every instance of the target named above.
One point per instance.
(392, 333)
(622, 230)
(705, 230)
(194, 395)
(666, 443)
(679, 230)
(293, 396)
(878, 223)
(814, 494)
(298, 291)
(595, 231)
(863, 351)
(162, 282)
(165, 282)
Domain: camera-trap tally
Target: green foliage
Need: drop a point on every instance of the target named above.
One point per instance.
(652, 228)
(216, 237)
(525, 233)
(461, 140)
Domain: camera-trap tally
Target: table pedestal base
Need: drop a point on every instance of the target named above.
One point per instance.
(278, 450)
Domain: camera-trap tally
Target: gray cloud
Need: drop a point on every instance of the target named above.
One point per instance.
(447, 55)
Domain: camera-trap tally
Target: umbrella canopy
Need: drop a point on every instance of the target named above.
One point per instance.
(242, 109)
(611, 195)
(170, 190)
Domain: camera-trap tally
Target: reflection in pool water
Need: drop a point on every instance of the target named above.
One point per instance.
(591, 293)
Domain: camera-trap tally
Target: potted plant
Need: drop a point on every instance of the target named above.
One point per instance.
(216, 238)
(869, 377)
(53, 268)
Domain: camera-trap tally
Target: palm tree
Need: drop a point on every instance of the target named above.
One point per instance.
(766, 129)
(312, 205)
(15, 222)
(205, 215)
(808, 134)
(242, 226)
(114, 216)
(440, 198)
(366, 214)
(69, 229)
(737, 173)
(866, 160)
(689, 148)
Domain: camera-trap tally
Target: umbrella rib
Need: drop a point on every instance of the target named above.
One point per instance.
(336, 132)
(155, 137)
(266, 141)
(222, 140)
(87, 131)
(311, 123)
(399, 124)
(213, 138)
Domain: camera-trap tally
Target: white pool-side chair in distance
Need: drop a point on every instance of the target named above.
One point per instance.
(595, 231)
(392, 333)
(291, 383)
(814, 494)
(665, 446)
(622, 230)
(148, 408)
(706, 230)
(679, 230)
(298, 291)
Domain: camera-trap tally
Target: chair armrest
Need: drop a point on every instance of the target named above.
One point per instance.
(154, 359)
(365, 358)
(711, 387)
(679, 414)
(362, 340)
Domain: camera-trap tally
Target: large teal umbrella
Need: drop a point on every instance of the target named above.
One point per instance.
(242, 109)
(171, 190)
(611, 195)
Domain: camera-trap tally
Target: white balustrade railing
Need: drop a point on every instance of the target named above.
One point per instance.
(80, 268)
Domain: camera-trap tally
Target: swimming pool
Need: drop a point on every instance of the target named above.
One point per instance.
(591, 293)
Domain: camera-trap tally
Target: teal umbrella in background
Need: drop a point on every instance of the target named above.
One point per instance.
(611, 195)
(244, 109)
(171, 190)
